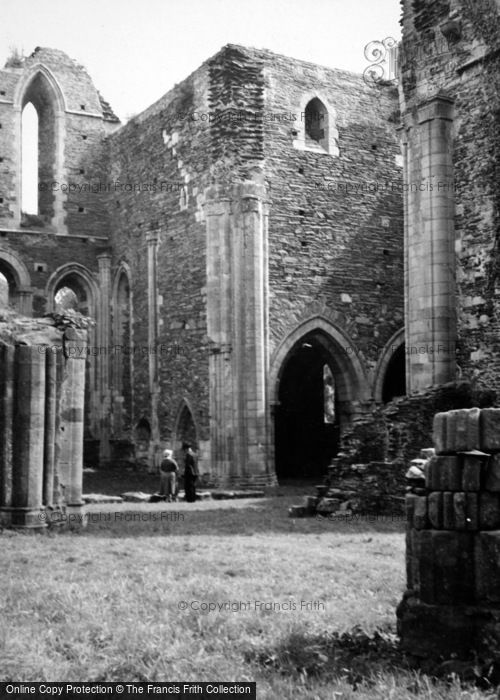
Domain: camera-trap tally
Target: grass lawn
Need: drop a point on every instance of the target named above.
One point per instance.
(127, 597)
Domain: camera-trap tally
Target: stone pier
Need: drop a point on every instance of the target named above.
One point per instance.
(430, 295)
(452, 603)
(42, 380)
(237, 327)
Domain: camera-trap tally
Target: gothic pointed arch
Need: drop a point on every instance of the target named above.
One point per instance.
(318, 384)
(80, 280)
(17, 281)
(23, 87)
(185, 428)
(39, 88)
(354, 383)
(317, 129)
(390, 372)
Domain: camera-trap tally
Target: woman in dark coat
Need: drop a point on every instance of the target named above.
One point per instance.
(190, 473)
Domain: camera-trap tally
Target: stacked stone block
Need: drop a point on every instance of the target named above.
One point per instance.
(453, 539)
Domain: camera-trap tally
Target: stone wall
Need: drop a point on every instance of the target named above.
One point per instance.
(336, 218)
(162, 160)
(450, 53)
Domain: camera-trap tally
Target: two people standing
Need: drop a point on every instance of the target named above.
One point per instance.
(169, 471)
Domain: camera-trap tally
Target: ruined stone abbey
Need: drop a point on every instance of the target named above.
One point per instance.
(260, 274)
(234, 246)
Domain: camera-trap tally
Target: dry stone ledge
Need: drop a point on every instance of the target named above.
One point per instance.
(452, 602)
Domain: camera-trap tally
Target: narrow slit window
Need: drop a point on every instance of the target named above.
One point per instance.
(29, 173)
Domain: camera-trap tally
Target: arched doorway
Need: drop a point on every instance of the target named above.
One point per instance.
(307, 417)
(390, 373)
(320, 383)
(394, 383)
(185, 429)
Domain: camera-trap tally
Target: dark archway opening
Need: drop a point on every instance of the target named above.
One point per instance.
(8, 286)
(307, 426)
(4, 291)
(395, 376)
(186, 428)
(71, 294)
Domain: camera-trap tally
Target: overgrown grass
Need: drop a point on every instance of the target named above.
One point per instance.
(104, 603)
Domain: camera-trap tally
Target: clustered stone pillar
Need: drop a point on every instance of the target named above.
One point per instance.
(104, 342)
(41, 430)
(28, 436)
(452, 605)
(6, 430)
(430, 244)
(237, 320)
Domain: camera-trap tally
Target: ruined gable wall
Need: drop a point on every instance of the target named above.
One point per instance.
(72, 184)
(467, 69)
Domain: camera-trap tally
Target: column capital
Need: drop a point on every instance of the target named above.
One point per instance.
(439, 106)
(104, 260)
(152, 237)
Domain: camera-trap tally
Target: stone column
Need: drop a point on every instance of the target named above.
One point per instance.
(6, 430)
(251, 356)
(104, 344)
(71, 425)
(403, 140)
(28, 437)
(154, 386)
(50, 427)
(219, 328)
(430, 252)
(238, 331)
(25, 302)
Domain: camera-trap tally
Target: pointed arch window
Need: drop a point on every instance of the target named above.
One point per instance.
(41, 106)
(318, 131)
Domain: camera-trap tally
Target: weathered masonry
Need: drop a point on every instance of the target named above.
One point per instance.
(41, 421)
(450, 102)
(239, 245)
(450, 98)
